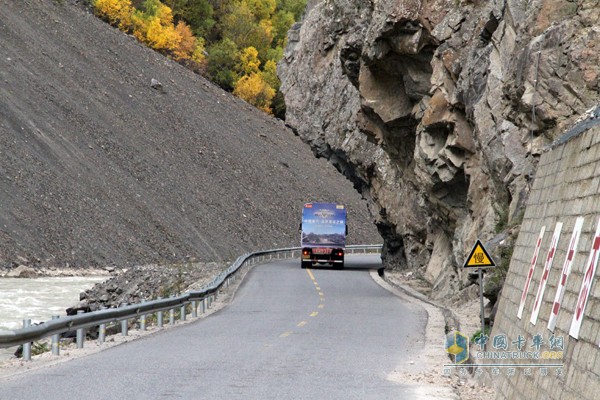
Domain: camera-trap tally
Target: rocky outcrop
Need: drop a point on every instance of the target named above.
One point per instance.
(22, 272)
(438, 111)
(148, 282)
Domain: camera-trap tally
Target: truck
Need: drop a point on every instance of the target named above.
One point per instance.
(323, 234)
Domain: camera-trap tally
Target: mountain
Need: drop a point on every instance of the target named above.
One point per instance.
(111, 154)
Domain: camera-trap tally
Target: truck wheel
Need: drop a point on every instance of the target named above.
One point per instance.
(306, 264)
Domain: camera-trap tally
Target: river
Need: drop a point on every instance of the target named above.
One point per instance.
(38, 299)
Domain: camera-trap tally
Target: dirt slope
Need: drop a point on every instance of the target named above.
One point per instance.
(99, 168)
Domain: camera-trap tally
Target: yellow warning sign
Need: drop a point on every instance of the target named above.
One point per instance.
(479, 257)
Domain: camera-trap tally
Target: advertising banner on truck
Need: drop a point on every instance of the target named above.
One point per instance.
(323, 225)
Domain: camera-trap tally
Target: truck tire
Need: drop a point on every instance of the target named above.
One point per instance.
(306, 264)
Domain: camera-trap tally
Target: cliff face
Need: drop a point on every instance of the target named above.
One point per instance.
(438, 111)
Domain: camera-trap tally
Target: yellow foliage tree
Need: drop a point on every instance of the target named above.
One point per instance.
(116, 12)
(199, 54)
(248, 61)
(156, 30)
(187, 42)
(254, 90)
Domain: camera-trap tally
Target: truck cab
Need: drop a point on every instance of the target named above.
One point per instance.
(323, 235)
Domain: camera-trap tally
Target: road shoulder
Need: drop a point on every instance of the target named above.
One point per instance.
(427, 373)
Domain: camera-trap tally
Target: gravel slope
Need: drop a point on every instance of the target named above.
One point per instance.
(98, 168)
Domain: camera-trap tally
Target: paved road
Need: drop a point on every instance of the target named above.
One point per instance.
(289, 334)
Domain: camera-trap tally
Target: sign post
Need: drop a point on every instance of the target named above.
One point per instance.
(479, 258)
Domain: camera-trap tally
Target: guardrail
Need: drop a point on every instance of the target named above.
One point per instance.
(100, 318)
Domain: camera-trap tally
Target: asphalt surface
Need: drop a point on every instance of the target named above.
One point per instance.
(288, 334)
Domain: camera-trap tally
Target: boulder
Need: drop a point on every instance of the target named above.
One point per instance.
(22, 271)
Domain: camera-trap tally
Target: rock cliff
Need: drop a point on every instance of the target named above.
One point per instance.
(438, 111)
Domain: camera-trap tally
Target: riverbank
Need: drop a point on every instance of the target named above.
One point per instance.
(69, 350)
(23, 271)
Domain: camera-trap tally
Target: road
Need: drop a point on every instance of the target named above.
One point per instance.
(289, 333)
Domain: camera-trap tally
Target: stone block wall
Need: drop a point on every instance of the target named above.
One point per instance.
(566, 186)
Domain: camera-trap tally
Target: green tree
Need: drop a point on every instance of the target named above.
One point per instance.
(262, 9)
(269, 74)
(198, 14)
(278, 105)
(222, 59)
(241, 26)
(282, 22)
(296, 7)
(275, 54)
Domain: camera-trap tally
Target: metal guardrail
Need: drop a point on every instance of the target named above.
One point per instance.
(100, 318)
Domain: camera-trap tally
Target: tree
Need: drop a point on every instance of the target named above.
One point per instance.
(253, 89)
(154, 26)
(296, 7)
(186, 44)
(269, 74)
(262, 9)
(115, 12)
(243, 28)
(282, 22)
(248, 61)
(198, 14)
(199, 54)
(222, 59)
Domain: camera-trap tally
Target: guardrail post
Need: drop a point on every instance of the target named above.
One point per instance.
(159, 315)
(143, 319)
(203, 305)
(124, 324)
(183, 312)
(80, 333)
(55, 339)
(172, 316)
(102, 330)
(26, 346)
(194, 309)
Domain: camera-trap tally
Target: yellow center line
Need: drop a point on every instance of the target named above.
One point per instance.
(321, 298)
(302, 323)
(285, 334)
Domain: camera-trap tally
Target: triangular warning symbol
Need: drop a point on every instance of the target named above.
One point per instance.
(479, 257)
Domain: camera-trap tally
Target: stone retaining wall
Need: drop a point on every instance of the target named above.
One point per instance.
(566, 187)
